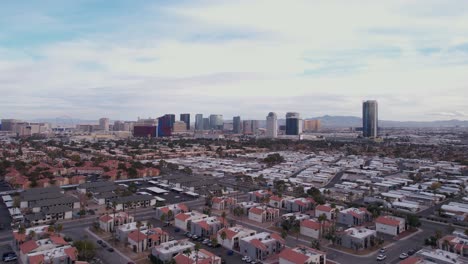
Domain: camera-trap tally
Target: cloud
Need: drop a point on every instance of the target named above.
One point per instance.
(233, 57)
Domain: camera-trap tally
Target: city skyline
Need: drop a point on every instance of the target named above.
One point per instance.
(144, 59)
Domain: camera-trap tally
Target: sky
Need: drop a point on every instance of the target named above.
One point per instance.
(127, 59)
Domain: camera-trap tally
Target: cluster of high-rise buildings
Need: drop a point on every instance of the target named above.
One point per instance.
(167, 125)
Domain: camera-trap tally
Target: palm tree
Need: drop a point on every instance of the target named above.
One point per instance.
(51, 229)
(223, 216)
(58, 228)
(170, 214)
(197, 249)
(223, 236)
(138, 225)
(322, 218)
(32, 234)
(128, 205)
(148, 227)
(114, 206)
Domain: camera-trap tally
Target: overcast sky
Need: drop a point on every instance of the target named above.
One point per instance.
(88, 59)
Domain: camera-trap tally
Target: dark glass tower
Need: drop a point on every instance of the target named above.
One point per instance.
(370, 119)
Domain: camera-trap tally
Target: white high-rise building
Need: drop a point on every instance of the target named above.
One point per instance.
(104, 124)
(272, 125)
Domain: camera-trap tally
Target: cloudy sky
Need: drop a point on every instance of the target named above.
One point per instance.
(88, 59)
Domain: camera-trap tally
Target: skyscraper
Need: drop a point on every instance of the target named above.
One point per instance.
(293, 123)
(370, 119)
(236, 125)
(104, 124)
(272, 125)
(165, 126)
(250, 127)
(216, 122)
(186, 119)
(206, 124)
(198, 122)
(311, 125)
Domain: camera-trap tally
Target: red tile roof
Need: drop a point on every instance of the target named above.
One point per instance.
(19, 237)
(183, 207)
(58, 240)
(385, 220)
(278, 237)
(229, 233)
(28, 246)
(323, 208)
(182, 216)
(72, 253)
(276, 198)
(204, 225)
(217, 200)
(105, 218)
(137, 236)
(311, 224)
(293, 256)
(258, 244)
(37, 259)
(255, 210)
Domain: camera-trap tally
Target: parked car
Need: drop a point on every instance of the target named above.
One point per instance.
(403, 256)
(110, 249)
(9, 256)
(383, 250)
(230, 252)
(381, 257)
(99, 242)
(210, 244)
(104, 245)
(411, 252)
(177, 229)
(206, 241)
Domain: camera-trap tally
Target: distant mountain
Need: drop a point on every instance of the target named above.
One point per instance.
(353, 121)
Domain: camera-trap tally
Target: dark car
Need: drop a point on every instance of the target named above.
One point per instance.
(411, 252)
(99, 242)
(104, 245)
(177, 229)
(110, 249)
(9, 256)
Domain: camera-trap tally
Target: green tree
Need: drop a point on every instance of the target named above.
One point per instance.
(86, 249)
(58, 228)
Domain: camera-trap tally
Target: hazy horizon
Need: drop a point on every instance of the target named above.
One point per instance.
(85, 59)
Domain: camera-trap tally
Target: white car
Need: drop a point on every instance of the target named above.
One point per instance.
(383, 250)
(381, 257)
(403, 256)
(247, 259)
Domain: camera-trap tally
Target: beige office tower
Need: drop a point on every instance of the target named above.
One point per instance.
(311, 125)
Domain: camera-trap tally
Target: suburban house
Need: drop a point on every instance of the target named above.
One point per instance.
(125, 229)
(108, 221)
(262, 245)
(201, 257)
(354, 216)
(184, 220)
(454, 243)
(302, 255)
(167, 251)
(300, 205)
(222, 203)
(326, 210)
(233, 236)
(140, 240)
(277, 201)
(208, 226)
(263, 214)
(174, 208)
(313, 228)
(390, 225)
(357, 238)
(259, 196)
(37, 231)
(49, 250)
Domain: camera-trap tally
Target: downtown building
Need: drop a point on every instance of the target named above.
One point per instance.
(186, 119)
(272, 125)
(370, 119)
(199, 122)
(236, 125)
(216, 122)
(293, 124)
